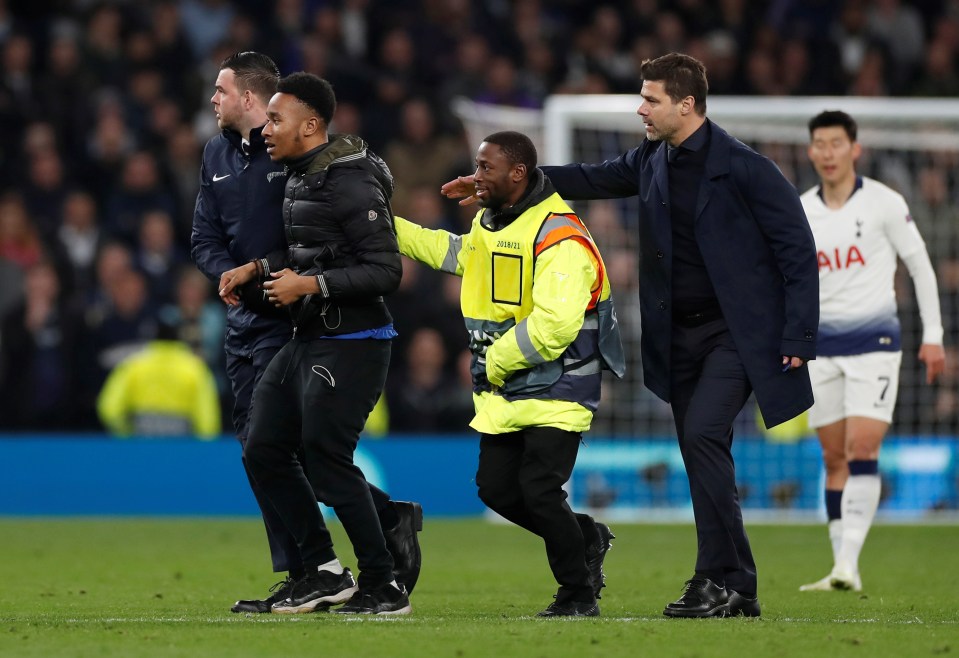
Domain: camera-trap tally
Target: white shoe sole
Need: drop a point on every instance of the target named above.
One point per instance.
(322, 603)
(821, 585)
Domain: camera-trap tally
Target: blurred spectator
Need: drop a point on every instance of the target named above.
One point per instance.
(939, 77)
(502, 86)
(425, 397)
(163, 390)
(205, 23)
(182, 169)
(62, 82)
(79, 239)
(45, 190)
(898, 27)
(19, 239)
(197, 315)
(472, 54)
(158, 255)
(420, 155)
(38, 350)
(140, 191)
(108, 144)
(119, 323)
(396, 81)
(103, 46)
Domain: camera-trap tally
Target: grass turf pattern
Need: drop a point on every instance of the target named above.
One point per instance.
(163, 587)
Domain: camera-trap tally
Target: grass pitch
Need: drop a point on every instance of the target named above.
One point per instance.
(153, 587)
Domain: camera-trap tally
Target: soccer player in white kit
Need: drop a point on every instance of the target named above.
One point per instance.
(860, 227)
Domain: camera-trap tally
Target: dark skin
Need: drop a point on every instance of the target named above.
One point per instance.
(499, 182)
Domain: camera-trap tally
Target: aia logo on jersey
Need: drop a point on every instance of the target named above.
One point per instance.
(836, 260)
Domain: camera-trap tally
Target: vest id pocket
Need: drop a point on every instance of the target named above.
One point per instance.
(507, 279)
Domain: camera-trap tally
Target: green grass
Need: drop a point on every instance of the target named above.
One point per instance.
(163, 588)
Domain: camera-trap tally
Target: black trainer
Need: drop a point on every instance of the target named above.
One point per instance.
(743, 606)
(701, 598)
(596, 555)
(404, 545)
(570, 609)
(278, 592)
(383, 600)
(317, 591)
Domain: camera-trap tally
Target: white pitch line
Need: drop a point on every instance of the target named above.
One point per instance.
(286, 619)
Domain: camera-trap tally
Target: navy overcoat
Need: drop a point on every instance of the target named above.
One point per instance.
(757, 248)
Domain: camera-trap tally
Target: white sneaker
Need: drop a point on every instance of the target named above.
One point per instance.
(821, 585)
(845, 579)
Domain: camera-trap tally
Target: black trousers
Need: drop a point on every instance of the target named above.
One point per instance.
(319, 393)
(708, 389)
(245, 373)
(521, 477)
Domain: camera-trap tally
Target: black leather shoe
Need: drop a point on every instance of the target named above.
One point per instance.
(404, 545)
(741, 606)
(596, 555)
(702, 598)
(277, 593)
(570, 609)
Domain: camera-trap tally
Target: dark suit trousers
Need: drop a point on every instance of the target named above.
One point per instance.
(708, 388)
(521, 477)
(316, 396)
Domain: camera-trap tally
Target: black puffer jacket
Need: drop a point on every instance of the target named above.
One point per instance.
(339, 226)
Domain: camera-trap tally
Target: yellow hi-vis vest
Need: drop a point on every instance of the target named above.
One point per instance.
(164, 390)
(539, 335)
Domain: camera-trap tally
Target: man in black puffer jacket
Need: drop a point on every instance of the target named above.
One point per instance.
(341, 259)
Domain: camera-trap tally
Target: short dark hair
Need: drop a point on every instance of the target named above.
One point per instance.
(254, 71)
(681, 76)
(831, 118)
(311, 90)
(517, 147)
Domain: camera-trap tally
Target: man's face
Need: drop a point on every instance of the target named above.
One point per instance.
(833, 154)
(496, 179)
(283, 132)
(661, 115)
(227, 101)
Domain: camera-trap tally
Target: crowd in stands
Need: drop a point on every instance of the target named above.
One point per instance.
(104, 109)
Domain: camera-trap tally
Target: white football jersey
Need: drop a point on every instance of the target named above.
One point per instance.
(857, 247)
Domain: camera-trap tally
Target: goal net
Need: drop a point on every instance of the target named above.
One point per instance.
(912, 145)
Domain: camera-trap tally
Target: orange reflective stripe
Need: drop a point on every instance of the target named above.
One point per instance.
(579, 233)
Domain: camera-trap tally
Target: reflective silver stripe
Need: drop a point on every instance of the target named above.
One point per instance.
(593, 367)
(452, 255)
(590, 322)
(526, 345)
(555, 222)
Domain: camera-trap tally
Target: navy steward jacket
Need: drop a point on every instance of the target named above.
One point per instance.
(238, 217)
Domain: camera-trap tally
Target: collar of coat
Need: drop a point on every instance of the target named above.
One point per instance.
(538, 189)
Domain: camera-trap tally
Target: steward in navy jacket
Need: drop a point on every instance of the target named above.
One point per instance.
(238, 218)
(339, 227)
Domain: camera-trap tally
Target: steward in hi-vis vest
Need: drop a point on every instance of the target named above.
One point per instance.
(537, 305)
(542, 327)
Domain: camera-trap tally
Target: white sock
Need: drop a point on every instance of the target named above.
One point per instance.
(333, 566)
(835, 537)
(395, 584)
(860, 499)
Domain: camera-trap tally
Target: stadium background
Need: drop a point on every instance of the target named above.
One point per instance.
(103, 112)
